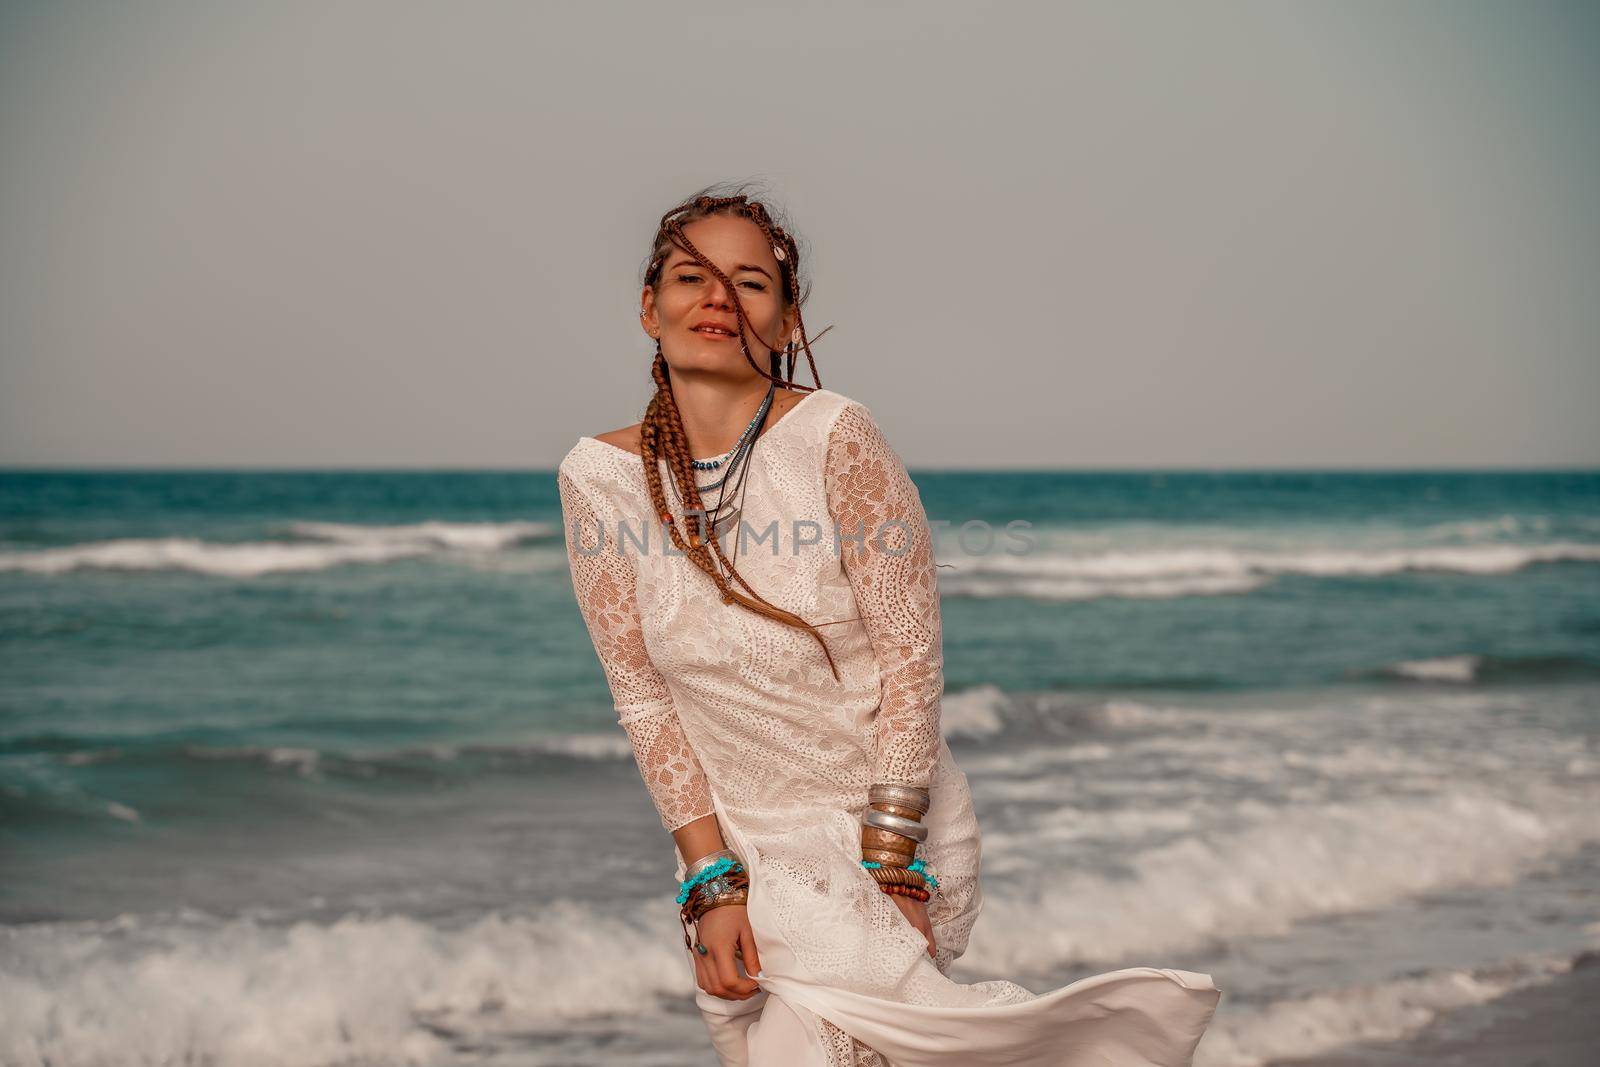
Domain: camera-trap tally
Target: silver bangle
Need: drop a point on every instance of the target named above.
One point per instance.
(897, 824)
(707, 860)
(906, 796)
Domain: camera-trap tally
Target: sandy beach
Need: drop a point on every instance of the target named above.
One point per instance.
(1550, 1025)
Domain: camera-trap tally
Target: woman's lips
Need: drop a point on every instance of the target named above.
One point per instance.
(716, 336)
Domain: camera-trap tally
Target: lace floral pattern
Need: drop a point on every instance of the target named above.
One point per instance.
(887, 550)
(603, 580)
(844, 1050)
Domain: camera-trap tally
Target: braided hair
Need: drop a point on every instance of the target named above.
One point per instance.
(661, 432)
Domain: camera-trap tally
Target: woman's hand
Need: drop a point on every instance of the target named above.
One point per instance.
(916, 912)
(722, 930)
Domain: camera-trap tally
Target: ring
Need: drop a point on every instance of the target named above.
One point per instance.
(698, 947)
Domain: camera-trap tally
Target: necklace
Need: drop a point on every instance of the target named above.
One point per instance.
(714, 464)
(737, 463)
(741, 448)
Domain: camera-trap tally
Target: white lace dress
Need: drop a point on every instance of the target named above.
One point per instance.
(734, 713)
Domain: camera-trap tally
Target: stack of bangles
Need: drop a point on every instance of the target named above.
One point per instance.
(711, 881)
(891, 830)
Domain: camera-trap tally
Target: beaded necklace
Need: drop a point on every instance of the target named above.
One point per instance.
(737, 463)
(738, 446)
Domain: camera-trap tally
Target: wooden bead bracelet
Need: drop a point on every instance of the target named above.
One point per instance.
(915, 892)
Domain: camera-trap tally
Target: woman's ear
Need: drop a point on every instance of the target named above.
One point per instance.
(647, 312)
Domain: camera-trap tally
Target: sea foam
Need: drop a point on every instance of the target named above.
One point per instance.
(1057, 574)
(317, 546)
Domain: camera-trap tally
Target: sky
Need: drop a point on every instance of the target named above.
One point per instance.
(1111, 235)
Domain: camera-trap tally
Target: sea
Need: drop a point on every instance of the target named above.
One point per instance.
(320, 768)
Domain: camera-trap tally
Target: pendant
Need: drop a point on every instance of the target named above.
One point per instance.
(724, 521)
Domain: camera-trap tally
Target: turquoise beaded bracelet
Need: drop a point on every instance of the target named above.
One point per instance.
(725, 865)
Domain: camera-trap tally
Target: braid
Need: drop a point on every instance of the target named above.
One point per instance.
(661, 432)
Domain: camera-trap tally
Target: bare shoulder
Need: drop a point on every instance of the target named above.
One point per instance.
(625, 438)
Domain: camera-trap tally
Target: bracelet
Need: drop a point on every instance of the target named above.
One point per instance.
(731, 886)
(707, 860)
(704, 903)
(905, 796)
(919, 865)
(911, 891)
(888, 859)
(898, 824)
(880, 840)
(690, 914)
(918, 871)
(709, 873)
(896, 876)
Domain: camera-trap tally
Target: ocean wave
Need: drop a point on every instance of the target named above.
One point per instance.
(1438, 669)
(467, 536)
(248, 559)
(975, 712)
(982, 711)
(1289, 865)
(395, 989)
(975, 715)
(318, 546)
(308, 762)
(1470, 668)
(400, 990)
(313, 763)
(589, 746)
(391, 989)
(1380, 1011)
(987, 711)
(1180, 572)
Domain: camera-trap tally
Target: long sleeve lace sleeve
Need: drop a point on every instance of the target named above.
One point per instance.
(603, 581)
(892, 572)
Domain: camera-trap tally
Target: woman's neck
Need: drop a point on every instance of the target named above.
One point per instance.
(715, 412)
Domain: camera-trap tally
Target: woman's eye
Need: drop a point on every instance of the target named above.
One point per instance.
(689, 279)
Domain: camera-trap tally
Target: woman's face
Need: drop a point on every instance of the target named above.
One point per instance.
(687, 296)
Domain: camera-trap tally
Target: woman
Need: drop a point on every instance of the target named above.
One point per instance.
(756, 570)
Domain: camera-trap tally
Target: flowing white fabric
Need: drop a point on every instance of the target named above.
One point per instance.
(734, 713)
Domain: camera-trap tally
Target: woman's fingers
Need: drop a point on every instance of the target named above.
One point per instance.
(702, 973)
(747, 944)
(720, 932)
(916, 913)
(710, 974)
(735, 988)
(926, 926)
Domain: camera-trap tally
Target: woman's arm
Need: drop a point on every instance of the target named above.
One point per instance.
(887, 551)
(895, 581)
(604, 582)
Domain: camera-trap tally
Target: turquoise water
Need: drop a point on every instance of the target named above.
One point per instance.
(249, 720)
